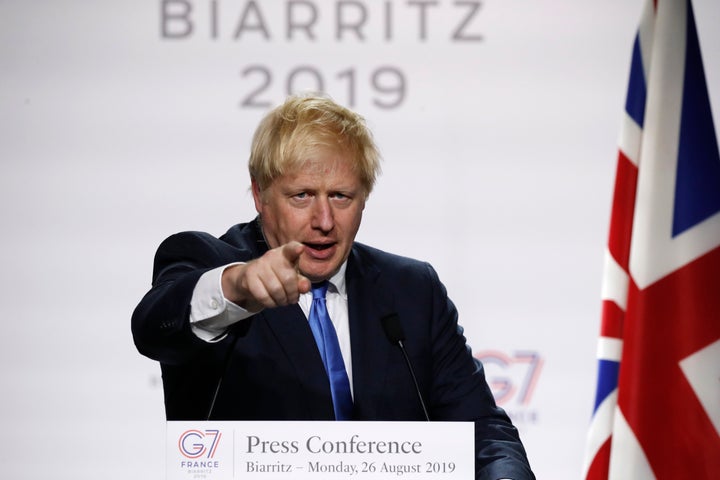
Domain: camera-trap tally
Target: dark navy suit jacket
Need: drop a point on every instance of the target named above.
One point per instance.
(270, 366)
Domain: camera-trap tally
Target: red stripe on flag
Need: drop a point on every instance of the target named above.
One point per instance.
(612, 320)
(600, 466)
(623, 206)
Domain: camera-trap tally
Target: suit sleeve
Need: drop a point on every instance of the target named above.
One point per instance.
(160, 323)
(460, 393)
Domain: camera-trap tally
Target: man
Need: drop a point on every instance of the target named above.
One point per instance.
(239, 336)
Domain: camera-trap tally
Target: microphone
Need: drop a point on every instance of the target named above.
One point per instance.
(396, 336)
(226, 362)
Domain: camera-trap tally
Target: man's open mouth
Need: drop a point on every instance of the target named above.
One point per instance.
(319, 246)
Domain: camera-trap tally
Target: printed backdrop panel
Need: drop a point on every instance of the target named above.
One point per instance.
(124, 122)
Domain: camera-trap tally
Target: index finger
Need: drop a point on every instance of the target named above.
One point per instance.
(292, 251)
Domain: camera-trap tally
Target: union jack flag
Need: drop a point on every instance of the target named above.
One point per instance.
(657, 407)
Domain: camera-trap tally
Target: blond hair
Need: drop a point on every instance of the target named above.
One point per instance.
(302, 124)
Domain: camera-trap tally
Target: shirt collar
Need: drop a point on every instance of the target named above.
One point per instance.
(337, 281)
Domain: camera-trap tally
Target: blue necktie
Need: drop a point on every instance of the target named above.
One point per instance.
(326, 338)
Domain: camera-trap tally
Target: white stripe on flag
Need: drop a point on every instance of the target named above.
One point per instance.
(615, 281)
(609, 349)
(646, 30)
(700, 368)
(627, 459)
(630, 139)
(600, 429)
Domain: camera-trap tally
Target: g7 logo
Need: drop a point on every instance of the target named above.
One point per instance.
(511, 377)
(194, 443)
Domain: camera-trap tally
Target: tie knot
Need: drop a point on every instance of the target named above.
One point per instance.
(319, 290)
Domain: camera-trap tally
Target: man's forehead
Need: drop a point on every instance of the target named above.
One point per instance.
(322, 163)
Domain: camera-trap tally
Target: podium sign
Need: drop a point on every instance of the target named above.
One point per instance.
(229, 450)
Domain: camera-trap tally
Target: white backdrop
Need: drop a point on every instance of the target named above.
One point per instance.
(499, 158)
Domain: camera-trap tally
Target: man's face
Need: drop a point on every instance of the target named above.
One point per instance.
(320, 205)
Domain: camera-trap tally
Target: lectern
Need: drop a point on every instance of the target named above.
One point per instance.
(323, 450)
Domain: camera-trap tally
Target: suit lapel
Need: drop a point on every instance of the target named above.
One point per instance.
(291, 330)
(368, 302)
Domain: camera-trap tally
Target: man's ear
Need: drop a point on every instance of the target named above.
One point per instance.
(257, 195)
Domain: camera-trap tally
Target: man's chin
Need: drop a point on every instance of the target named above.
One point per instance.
(318, 273)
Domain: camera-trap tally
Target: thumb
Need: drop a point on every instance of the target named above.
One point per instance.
(304, 284)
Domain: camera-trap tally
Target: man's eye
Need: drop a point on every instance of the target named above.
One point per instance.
(300, 195)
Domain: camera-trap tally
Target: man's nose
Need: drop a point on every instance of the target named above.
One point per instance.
(322, 218)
